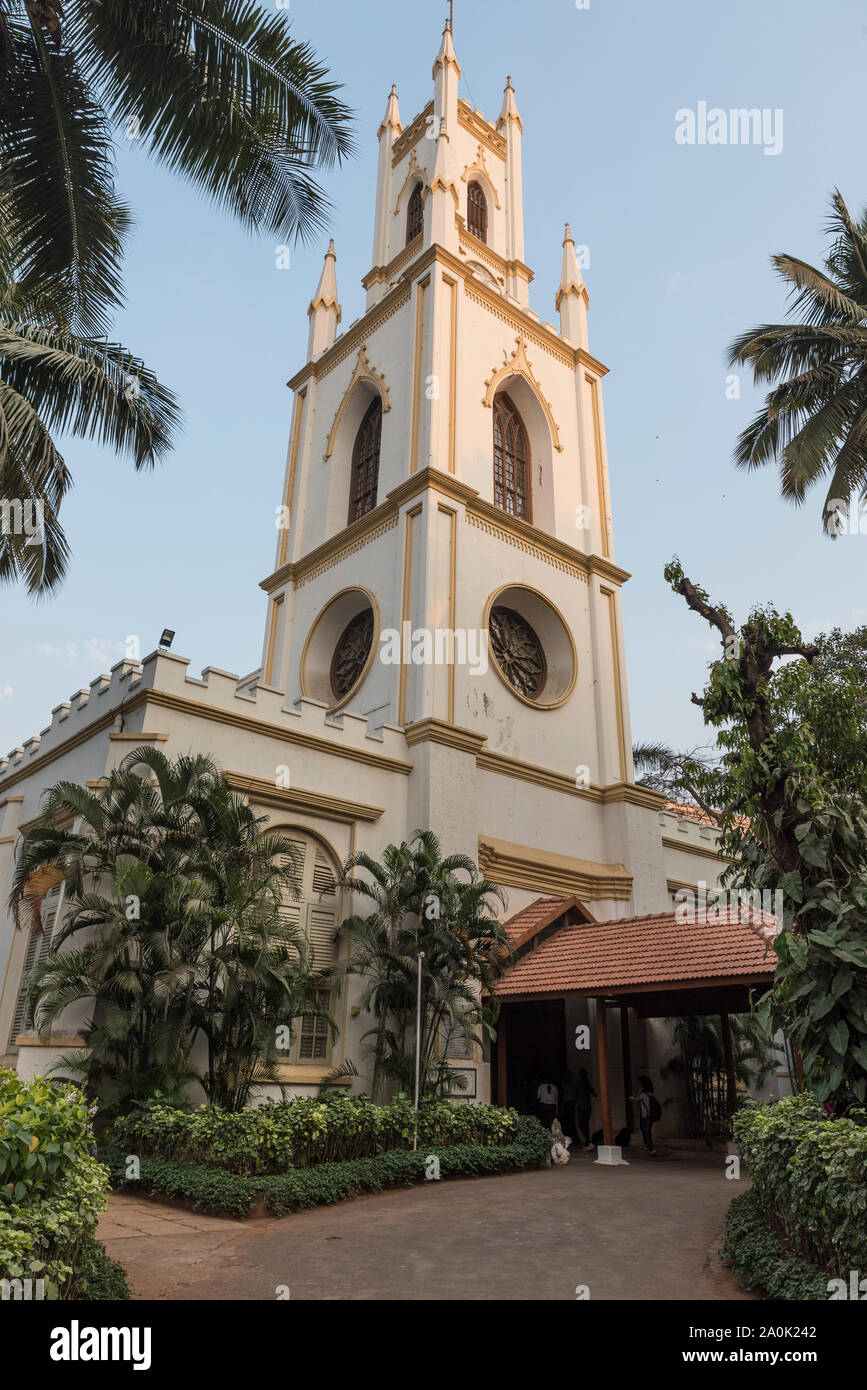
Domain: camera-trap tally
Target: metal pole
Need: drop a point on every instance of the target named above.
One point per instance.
(417, 1050)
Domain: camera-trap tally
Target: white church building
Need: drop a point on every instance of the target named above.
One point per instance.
(443, 639)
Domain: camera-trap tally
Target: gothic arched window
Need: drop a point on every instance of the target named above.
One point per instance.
(414, 214)
(477, 211)
(365, 463)
(511, 460)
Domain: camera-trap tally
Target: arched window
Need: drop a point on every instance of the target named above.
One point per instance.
(511, 460)
(365, 463)
(477, 211)
(414, 214)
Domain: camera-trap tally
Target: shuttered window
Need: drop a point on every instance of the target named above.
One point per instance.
(477, 211)
(316, 912)
(37, 950)
(315, 1043)
(414, 214)
(455, 1043)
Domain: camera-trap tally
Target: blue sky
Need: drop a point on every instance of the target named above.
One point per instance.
(679, 237)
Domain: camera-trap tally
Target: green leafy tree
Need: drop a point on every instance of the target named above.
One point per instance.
(814, 421)
(794, 819)
(216, 90)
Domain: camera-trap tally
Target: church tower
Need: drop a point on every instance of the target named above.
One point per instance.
(445, 562)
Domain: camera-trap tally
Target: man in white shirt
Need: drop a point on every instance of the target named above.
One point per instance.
(547, 1098)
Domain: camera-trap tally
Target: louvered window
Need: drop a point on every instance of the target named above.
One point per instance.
(414, 214)
(316, 912)
(477, 211)
(315, 1041)
(511, 460)
(365, 463)
(37, 950)
(455, 1043)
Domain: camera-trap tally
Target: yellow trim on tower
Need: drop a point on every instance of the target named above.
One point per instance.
(276, 607)
(618, 686)
(288, 498)
(593, 383)
(411, 518)
(416, 371)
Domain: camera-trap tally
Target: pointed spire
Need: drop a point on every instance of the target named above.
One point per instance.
(447, 55)
(509, 111)
(324, 311)
(572, 296)
(391, 119)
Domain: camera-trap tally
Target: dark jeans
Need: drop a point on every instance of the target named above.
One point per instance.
(582, 1122)
(647, 1131)
(547, 1114)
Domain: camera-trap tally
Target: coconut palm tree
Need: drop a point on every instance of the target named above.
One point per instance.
(218, 91)
(814, 422)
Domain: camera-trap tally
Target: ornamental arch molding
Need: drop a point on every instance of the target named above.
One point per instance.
(479, 170)
(519, 365)
(361, 372)
(415, 175)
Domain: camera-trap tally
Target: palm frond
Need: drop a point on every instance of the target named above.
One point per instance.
(220, 92)
(65, 227)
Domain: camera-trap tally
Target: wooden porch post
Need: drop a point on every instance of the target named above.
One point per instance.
(626, 1055)
(605, 1090)
(502, 1059)
(730, 1064)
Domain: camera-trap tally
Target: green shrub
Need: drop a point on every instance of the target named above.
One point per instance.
(758, 1255)
(193, 1183)
(302, 1133)
(42, 1130)
(810, 1177)
(98, 1278)
(53, 1190)
(327, 1183)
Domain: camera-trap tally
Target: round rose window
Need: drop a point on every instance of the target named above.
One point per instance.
(351, 653)
(518, 652)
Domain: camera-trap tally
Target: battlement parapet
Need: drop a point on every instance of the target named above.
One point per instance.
(121, 691)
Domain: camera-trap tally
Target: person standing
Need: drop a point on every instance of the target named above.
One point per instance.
(547, 1099)
(584, 1098)
(647, 1103)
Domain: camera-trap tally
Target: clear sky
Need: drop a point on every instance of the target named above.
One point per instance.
(679, 238)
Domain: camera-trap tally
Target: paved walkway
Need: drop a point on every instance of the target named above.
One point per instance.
(649, 1231)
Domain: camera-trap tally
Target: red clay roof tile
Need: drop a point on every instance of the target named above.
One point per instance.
(635, 951)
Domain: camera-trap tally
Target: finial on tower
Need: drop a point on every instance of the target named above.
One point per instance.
(324, 312)
(572, 296)
(391, 119)
(509, 111)
(447, 55)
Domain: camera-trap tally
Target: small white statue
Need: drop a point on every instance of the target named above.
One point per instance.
(560, 1144)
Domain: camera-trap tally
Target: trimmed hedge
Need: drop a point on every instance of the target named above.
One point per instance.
(303, 1133)
(51, 1189)
(98, 1278)
(758, 1255)
(809, 1174)
(327, 1183)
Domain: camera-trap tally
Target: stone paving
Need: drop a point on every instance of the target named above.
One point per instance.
(645, 1232)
